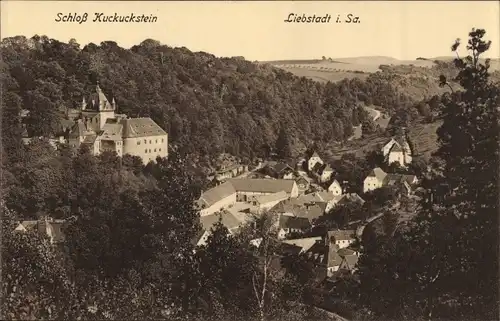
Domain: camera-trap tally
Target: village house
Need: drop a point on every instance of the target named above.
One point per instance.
(397, 151)
(349, 259)
(230, 172)
(324, 254)
(230, 221)
(248, 189)
(342, 238)
(217, 198)
(313, 160)
(322, 172)
(378, 178)
(311, 211)
(101, 129)
(266, 202)
(329, 253)
(301, 245)
(335, 188)
(45, 226)
(289, 224)
(244, 190)
(303, 184)
(314, 205)
(350, 198)
(279, 170)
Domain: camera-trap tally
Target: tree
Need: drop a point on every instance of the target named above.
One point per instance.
(470, 153)
(226, 268)
(283, 147)
(35, 284)
(456, 226)
(368, 127)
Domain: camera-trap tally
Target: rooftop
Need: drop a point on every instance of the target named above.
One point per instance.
(262, 185)
(228, 220)
(272, 197)
(378, 173)
(293, 222)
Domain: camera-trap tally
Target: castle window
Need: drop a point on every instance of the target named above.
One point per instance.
(138, 142)
(146, 150)
(150, 142)
(145, 141)
(156, 141)
(162, 140)
(155, 150)
(159, 149)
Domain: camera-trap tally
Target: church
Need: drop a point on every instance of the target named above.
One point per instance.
(102, 129)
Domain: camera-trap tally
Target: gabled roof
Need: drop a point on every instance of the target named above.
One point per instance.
(89, 139)
(217, 193)
(345, 251)
(78, 129)
(317, 167)
(326, 169)
(396, 148)
(390, 141)
(351, 197)
(334, 182)
(315, 154)
(378, 173)
(98, 101)
(228, 220)
(349, 262)
(303, 179)
(280, 167)
(111, 131)
(54, 226)
(272, 197)
(141, 127)
(324, 254)
(289, 207)
(294, 222)
(392, 179)
(304, 243)
(342, 235)
(262, 185)
(312, 212)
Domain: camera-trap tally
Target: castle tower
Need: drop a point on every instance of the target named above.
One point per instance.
(97, 109)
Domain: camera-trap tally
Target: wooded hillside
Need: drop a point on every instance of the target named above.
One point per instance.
(207, 104)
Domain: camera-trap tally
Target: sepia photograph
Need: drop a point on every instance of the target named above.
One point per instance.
(250, 160)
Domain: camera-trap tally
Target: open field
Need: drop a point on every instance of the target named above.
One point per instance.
(356, 67)
(422, 135)
(324, 75)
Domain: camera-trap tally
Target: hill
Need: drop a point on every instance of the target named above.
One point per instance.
(416, 78)
(208, 105)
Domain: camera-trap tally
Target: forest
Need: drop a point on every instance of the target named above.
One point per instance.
(208, 105)
(129, 250)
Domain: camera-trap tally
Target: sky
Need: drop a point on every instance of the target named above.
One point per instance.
(257, 31)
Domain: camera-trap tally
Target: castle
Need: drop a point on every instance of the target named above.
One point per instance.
(101, 129)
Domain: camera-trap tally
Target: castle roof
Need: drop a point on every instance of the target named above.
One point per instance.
(98, 101)
(111, 131)
(141, 127)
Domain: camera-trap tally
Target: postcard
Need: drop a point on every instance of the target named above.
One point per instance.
(249, 160)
